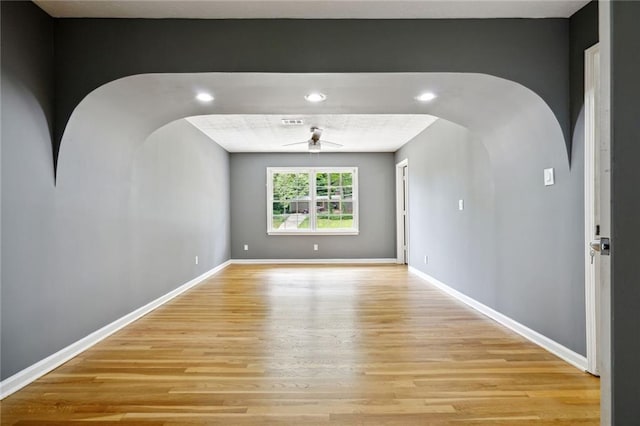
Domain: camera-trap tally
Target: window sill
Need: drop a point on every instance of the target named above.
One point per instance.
(312, 233)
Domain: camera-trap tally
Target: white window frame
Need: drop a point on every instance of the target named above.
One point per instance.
(355, 230)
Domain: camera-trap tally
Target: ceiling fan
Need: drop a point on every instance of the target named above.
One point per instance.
(314, 141)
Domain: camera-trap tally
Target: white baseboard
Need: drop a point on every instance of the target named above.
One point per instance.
(42, 367)
(552, 346)
(312, 261)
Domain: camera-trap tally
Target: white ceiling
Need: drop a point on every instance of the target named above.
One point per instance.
(357, 132)
(311, 9)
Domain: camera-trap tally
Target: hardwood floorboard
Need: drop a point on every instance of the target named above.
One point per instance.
(311, 344)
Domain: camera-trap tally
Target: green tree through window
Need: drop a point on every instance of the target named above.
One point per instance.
(314, 200)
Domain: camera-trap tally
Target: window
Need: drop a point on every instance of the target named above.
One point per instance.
(321, 200)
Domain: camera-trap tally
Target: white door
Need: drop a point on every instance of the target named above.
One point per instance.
(402, 212)
(597, 202)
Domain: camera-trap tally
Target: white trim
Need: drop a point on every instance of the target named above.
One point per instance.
(400, 249)
(591, 164)
(289, 233)
(312, 261)
(552, 346)
(42, 367)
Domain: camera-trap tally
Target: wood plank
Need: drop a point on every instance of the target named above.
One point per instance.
(314, 344)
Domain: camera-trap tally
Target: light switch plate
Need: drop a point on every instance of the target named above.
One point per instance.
(460, 204)
(548, 177)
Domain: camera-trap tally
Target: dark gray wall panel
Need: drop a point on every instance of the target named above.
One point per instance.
(376, 181)
(28, 53)
(583, 33)
(625, 176)
(92, 52)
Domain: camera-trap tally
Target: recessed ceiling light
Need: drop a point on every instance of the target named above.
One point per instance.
(426, 97)
(315, 97)
(204, 97)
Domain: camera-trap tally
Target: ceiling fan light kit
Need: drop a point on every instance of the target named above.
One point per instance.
(314, 147)
(313, 143)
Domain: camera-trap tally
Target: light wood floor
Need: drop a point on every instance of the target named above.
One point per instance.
(311, 345)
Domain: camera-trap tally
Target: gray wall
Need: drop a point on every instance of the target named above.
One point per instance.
(376, 190)
(448, 163)
(181, 198)
(27, 174)
(82, 253)
(517, 245)
(625, 146)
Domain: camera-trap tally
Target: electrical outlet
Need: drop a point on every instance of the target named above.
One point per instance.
(426, 259)
(315, 247)
(246, 247)
(196, 260)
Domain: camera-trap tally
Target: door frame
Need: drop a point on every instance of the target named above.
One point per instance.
(591, 165)
(400, 225)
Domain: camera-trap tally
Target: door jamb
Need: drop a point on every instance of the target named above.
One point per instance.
(592, 287)
(399, 208)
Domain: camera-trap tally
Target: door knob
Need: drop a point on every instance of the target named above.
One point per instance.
(602, 245)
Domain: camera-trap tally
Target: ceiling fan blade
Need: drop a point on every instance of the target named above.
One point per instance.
(337, 145)
(296, 143)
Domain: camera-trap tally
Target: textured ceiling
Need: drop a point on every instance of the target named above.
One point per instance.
(357, 132)
(312, 9)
